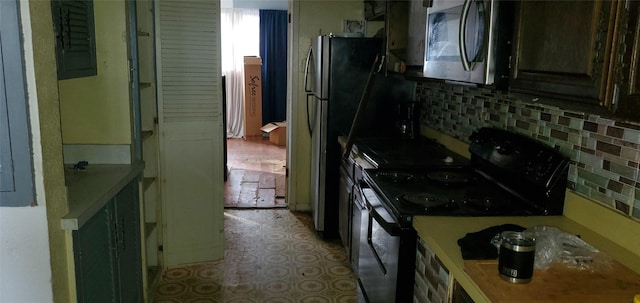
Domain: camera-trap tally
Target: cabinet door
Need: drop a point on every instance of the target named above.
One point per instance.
(129, 264)
(563, 48)
(416, 33)
(459, 295)
(108, 254)
(397, 32)
(628, 64)
(94, 259)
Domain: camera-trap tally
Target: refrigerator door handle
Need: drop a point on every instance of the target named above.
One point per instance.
(309, 115)
(306, 70)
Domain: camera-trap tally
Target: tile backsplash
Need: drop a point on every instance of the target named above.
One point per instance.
(604, 153)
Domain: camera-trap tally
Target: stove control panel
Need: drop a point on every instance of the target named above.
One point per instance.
(515, 158)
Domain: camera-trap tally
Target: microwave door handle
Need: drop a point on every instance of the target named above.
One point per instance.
(462, 36)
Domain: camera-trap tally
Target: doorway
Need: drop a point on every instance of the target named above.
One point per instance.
(255, 167)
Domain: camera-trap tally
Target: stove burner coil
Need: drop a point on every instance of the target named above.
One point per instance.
(425, 200)
(395, 176)
(449, 177)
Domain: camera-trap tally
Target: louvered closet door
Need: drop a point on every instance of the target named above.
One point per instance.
(190, 117)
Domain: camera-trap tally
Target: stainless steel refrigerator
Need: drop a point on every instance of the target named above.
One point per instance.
(335, 78)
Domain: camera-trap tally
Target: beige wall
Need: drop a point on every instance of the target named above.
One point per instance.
(312, 18)
(95, 110)
(90, 110)
(33, 250)
(51, 140)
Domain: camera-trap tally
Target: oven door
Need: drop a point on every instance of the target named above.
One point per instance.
(379, 251)
(457, 41)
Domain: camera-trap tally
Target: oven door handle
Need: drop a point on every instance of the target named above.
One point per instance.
(393, 229)
(380, 214)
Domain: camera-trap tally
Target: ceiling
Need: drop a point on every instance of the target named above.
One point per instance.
(255, 4)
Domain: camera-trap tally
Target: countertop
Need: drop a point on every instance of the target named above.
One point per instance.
(450, 229)
(89, 190)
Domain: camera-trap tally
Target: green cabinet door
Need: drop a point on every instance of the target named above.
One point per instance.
(127, 220)
(107, 252)
(95, 279)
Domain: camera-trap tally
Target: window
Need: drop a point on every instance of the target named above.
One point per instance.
(75, 38)
(16, 172)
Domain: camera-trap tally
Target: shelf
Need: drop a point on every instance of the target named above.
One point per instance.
(375, 10)
(147, 181)
(146, 134)
(145, 84)
(149, 228)
(143, 34)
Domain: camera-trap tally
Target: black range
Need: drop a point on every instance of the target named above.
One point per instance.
(508, 175)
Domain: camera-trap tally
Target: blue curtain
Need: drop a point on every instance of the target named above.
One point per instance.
(273, 51)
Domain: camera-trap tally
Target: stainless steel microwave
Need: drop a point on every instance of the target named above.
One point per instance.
(468, 41)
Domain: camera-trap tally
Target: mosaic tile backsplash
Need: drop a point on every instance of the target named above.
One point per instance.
(604, 153)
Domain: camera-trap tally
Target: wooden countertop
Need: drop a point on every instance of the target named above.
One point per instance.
(557, 284)
(89, 190)
(442, 233)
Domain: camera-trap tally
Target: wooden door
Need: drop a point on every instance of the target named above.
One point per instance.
(628, 66)
(190, 123)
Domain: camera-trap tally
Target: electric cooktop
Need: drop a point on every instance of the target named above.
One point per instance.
(508, 175)
(399, 153)
(444, 192)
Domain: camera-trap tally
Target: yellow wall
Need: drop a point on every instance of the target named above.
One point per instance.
(96, 110)
(52, 170)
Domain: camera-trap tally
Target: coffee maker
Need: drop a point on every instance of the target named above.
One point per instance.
(406, 120)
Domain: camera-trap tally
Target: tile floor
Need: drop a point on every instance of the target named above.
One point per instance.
(256, 176)
(271, 255)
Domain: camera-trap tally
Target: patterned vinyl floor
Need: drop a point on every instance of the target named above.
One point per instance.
(271, 255)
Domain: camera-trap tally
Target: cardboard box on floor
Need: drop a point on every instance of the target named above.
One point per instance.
(277, 132)
(252, 96)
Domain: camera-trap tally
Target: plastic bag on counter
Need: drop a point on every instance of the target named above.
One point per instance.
(554, 246)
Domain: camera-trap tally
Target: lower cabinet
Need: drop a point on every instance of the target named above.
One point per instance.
(107, 252)
(459, 294)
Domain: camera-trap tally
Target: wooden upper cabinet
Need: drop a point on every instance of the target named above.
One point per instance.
(404, 30)
(397, 31)
(563, 50)
(416, 33)
(627, 76)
